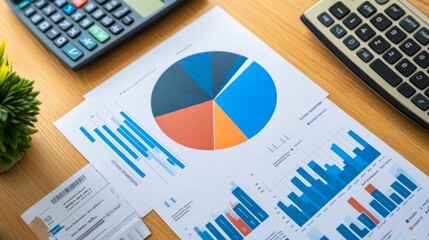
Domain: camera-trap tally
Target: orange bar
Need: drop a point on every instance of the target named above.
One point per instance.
(238, 223)
(356, 205)
(370, 188)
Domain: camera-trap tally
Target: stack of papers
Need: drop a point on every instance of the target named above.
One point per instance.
(225, 139)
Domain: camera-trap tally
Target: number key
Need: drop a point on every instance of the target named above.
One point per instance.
(405, 67)
(420, 80)
(381, 22)
(396, 35)
(392, 56)
(338, 31)
(365, 32)
(352, 21)
(379, 44)
(395, 12)
(410, 47)
(422, 59)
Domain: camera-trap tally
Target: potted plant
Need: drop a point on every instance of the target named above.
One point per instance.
(18, 111)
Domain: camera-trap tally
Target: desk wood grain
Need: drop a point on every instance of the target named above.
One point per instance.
(52, 159)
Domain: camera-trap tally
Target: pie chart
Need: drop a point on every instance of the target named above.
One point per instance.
(213, 100)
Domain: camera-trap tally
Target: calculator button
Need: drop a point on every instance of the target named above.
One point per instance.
(97, 14)
(127, 20)
(365, 32)
(101, 1)
(72, 51)
(98, 33)
(44, 26)
(379, 44)
(420, 80)
(116, 29)
(338, 31)
(395, 12)
(406, 90)
(352, 21)
(422, 59)
(409, 24)
(77, 16)
(422, 36)
(367, 9)
(65, 24)
(410, 47)
(392, 56)
(29, 11)
(90, 7)
(381, 22)
(79, 3)
(88, 42)
(107, 21)
(405, 67)
(24, 4)
(381, 2)
(60, 3)
(86, 23)
(68, 9)
(396, 35)
(325, 19)
(52, 33)
(427, 93)
(60, 41)
(73, 32)
(48, 10)
(121, 12)
(41, 3)
(351, 42)
(365, 55)
(36, 18)
(112, 5)
(421, 101)
(57, 17)
(386, 73)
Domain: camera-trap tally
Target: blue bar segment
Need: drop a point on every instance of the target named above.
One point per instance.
(86, 133)
(385, 201)
(297, 216)
(400, 189)
(204, 235)
(131, 140)
(228, 228)
(360, 232)
(407, 182)
(397, 199)
(379, 208)
(250, 204)
(246, 216)
(215, 232)
(117, 139)
(120, 154)
(324, 238)
(346, 233)
(363, 218)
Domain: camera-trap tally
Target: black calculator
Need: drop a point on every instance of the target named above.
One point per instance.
(80, 31)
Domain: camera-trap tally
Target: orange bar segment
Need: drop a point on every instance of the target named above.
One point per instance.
(361, 209)
(227, 134)
(239, 223)
(370, 188)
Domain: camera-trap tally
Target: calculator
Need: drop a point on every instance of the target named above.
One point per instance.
(80, 31)
(383, 42)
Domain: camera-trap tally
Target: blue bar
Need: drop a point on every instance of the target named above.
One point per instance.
(294, 213)
(324, 238)
(203, 234)
(228, 228)
(385, 201)
(215, 232)
(130, 135)
(166, 204)
(166, 168)
(139, 134)
(246, 216)
(178, 163)
(358, 138)
(407, 182)
(360, 232)
(379, 208)
(400, 189)
(346, 233)
(117, 139)
(131, 140)
(316, 198)
(397, 199)
(331, 180)
(307, 207)
(86, 133)
(114, 148)
(347, 159)
(250, 204)
(318, 185)
(363, 218)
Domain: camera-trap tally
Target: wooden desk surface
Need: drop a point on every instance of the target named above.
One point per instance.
(52, 159)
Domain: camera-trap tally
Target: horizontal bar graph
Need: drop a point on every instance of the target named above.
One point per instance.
(131, 143)
(237, 221)
(381, 204)
(319, 193)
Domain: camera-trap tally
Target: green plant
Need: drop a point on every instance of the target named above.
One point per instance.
(18, 110)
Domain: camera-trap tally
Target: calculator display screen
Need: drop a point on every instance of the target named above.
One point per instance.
(145, 7)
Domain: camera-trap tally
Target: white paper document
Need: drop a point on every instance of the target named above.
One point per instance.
(85, 206)
(213, 98)
(332, 180)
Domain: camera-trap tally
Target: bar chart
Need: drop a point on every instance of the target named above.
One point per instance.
(378, 206)
(129, 142)
(331, 179)
(240, 218)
